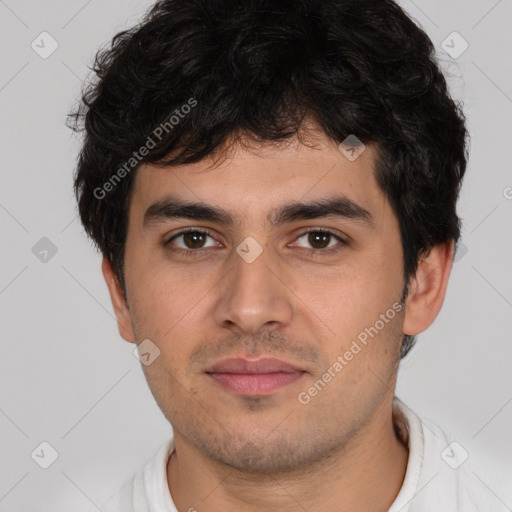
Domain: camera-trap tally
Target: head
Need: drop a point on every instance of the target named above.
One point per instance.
(226, 118)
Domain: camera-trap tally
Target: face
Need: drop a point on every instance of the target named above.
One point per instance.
(279, 328)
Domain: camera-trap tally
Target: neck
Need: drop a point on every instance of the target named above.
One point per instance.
(365, 474)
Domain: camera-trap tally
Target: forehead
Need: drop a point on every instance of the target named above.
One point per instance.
(256, 181)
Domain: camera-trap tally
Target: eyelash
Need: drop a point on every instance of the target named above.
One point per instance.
(313, 252)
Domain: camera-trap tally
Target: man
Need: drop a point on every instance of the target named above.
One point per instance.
(273, 187)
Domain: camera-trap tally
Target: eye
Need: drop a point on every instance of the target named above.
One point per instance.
(190, 240)
(193, 242)
(322, 241)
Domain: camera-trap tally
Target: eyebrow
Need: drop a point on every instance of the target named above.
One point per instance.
(338, 206)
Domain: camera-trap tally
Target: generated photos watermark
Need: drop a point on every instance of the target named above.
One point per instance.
(355, 348)
(151, 141)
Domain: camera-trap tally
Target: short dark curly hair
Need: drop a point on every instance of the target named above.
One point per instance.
(261, 67)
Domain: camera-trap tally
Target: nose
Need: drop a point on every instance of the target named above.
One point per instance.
(253, 296)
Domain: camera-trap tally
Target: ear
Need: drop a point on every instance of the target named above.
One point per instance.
(124, 319)
(427, 288)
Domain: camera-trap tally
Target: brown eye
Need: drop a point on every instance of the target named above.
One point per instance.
(194, 239)
(190, 240)
(319, 240)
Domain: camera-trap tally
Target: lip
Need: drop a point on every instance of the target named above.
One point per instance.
(243, 365)
(254, 378)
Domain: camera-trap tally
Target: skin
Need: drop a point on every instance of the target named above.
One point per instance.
(340, 450)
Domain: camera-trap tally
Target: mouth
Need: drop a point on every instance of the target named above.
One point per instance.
(254, 378)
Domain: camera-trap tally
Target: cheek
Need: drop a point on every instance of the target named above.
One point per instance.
(164, 296)
(360, 305)
(348, 297)
(170, 309)
(379, 283)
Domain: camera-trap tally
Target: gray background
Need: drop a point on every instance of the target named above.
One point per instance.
(67, 378)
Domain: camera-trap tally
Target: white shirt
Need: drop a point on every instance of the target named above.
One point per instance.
(437, 478)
